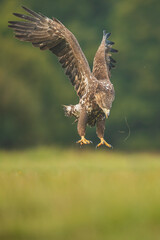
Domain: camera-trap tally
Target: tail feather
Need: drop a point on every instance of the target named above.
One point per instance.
(67, 110)
(72, 110)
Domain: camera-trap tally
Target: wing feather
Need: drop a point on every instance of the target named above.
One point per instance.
(103, 62)
(51, 34)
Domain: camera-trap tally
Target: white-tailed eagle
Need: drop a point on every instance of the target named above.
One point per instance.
(95, 90)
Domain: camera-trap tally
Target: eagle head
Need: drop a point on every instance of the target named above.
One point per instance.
(104, 97)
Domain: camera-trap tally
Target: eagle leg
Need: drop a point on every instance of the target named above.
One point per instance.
(103, 142)
(81, 127)
(83, 140)
(100, 127)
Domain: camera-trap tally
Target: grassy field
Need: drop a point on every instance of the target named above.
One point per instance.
(51, 193)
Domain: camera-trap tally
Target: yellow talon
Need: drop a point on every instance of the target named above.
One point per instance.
(104, 142)
(83, 141)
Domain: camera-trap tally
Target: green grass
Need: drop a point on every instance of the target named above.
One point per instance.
(50, 193)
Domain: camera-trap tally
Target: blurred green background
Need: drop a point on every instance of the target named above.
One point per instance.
(54, 192)
(33, 86)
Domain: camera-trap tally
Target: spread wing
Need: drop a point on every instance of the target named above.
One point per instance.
(103, 62)
(51, 34)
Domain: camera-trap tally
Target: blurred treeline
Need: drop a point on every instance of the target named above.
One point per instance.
(33, 86)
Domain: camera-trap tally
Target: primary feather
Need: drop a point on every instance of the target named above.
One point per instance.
(51, 34)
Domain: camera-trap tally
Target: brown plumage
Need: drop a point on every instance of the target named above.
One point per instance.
(95, 91)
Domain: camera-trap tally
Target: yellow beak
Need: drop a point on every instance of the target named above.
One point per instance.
(106, 111)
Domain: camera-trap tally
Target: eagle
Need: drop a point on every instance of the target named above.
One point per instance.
(94, 88)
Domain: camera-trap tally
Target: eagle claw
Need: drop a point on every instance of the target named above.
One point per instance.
(83, 141)
(103, 142)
